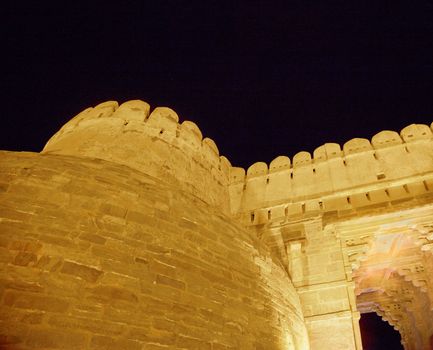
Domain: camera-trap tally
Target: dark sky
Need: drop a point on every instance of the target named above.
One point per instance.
(260, 80)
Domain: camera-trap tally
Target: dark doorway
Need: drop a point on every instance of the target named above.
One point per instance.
(377, 334)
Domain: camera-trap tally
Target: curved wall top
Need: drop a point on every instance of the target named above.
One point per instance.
(157, 144)
(152, 142)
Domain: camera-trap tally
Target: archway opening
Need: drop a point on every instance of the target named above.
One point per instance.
(378, 334)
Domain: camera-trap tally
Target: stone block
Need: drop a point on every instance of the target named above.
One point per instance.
(14, 215)
(416, 188)
(113, 210)
(92, 325)
(99, 342)
(397, 193)
(45, 338)
(93, 238)
(25, 259)
(161, 279)
(378, 196)
(150, 335)
(163, 324)
(27, 246)
(108, 253)
(140, 218)
(12, 315)
(111, 293)
(294, 209)
(87, 273)
(49, 263)
(5, 255)
(35, 301)
(359, 200)
(192, 343)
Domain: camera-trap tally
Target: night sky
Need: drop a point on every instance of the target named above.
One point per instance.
(260, 80)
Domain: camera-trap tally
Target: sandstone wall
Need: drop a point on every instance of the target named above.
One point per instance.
(96, 255)
(129, 232)
(155, 143)
(364, 173)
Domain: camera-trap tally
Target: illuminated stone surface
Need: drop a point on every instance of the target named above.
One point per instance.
(130, 231)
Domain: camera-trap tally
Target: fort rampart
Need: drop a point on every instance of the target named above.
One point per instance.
(130, 231)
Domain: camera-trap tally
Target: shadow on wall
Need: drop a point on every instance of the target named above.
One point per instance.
(377, 334)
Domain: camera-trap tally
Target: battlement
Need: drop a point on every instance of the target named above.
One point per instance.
(128, 207)
(357, 170)
(157, 144)
(152, 142)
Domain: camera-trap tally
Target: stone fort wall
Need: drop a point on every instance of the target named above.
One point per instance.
(154, 143)
(96, 255)
(390, 168)
(130, 231)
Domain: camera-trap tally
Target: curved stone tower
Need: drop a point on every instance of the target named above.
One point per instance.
(129, 231)
(153, 143)
(118, 236)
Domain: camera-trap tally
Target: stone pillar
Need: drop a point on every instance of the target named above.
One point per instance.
(327, 296)
(356, 315)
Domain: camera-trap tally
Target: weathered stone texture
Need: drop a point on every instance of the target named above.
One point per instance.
(179, 154)
(89, 261)
(130, 231)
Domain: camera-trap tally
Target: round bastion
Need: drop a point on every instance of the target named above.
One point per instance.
(116, 237)
(150, 141)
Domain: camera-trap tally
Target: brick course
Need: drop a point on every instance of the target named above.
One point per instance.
(94, 267)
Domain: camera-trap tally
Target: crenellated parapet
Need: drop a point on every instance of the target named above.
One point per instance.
(133, 211)
(154, 142)
(389, 168)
